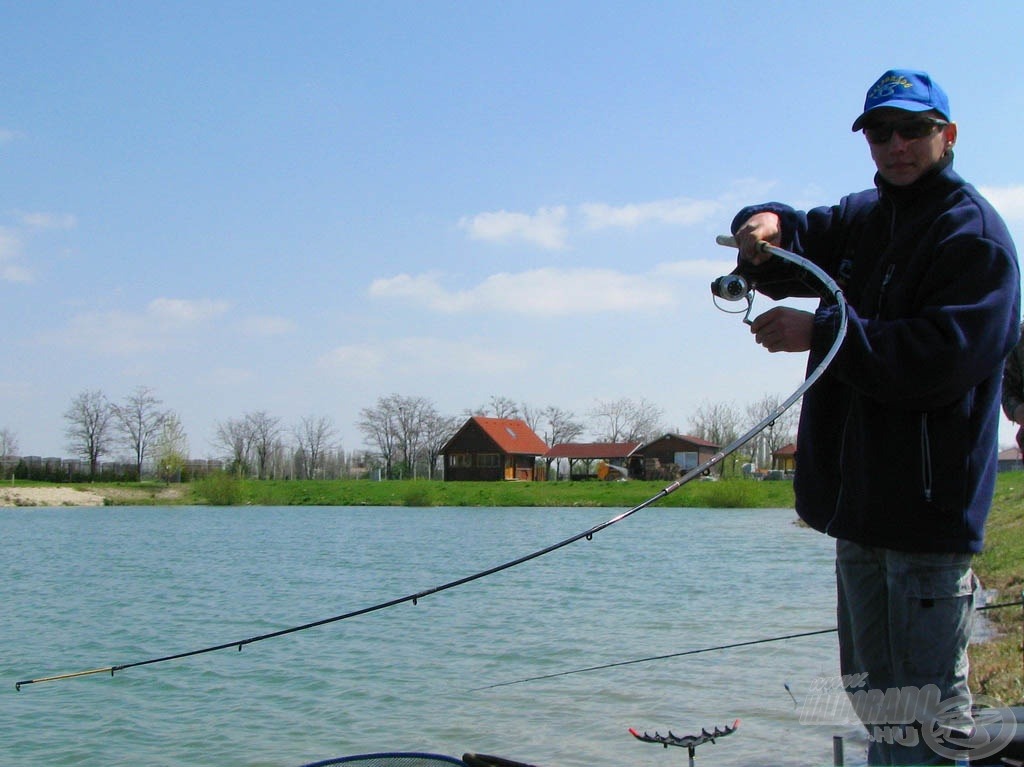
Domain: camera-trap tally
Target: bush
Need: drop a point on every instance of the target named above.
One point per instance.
(220, 489)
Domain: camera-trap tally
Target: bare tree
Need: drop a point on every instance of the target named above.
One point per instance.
(410, 416)
(378, 425)
(718, 423)
(312, 439)
(624, 420)
(562, 425)
(139, 421)
(8, 443)
(779, 433)
(532, 416)
(234, 436)
(88, 427)
(437, 430)
(265, 432)
(498, 407)
(407, 432)
(8, 446)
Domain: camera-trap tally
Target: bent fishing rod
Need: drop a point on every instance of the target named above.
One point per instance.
(732, 287)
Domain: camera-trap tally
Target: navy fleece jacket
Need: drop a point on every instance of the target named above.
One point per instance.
(898, 441)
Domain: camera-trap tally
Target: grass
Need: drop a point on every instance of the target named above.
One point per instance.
(734, 493)
(997, 665)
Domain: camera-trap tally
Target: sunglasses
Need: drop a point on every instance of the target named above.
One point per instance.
(879, 133)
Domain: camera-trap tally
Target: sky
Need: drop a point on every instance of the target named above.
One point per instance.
(300, 207)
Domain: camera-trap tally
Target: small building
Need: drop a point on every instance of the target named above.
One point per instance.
(614, 460)
(784, 459)
(1010, 460)
(670, 455)
(491, 449)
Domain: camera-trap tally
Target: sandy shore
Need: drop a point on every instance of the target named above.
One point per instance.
(48, 496)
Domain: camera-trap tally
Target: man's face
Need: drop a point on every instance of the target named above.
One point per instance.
(902, 159)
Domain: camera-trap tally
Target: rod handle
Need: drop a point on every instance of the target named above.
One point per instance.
(730, 242)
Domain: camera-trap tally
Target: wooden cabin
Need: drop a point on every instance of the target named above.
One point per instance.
(671, 455)
(491, 449)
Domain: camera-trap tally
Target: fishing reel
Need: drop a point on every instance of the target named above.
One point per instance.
(733, 287)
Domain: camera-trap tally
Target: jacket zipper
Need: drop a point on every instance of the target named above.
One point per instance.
(842, 450)
(926, 458)
(881, 289)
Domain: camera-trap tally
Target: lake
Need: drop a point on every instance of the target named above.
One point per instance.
(86, 588)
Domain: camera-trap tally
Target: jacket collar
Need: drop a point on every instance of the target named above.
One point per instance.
(939, 175)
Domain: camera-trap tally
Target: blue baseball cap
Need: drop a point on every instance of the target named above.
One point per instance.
(905, 89)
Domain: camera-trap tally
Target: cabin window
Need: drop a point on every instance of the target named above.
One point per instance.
(488, 460)
(686, 460)
(461, 460)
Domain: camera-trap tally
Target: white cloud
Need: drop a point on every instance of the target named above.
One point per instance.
(10, 256)
(545, 292)
(266, 325)
(227, 377)
(163, 323)
(551, 227)
(353, 360)
(546, 228)
(42, 220)
(114, 332)
(678, 211)
(181, 311)
(419, 357)
(699, 268)
(15, 273)
(1008, 200)
(12, 240)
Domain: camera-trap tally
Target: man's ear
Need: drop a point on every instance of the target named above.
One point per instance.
(950, 135)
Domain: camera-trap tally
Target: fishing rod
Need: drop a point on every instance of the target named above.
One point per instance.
(731, 288)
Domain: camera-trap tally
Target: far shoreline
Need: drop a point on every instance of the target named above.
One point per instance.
(229, 490)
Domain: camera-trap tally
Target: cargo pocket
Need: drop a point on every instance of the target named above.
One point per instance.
(932, 599)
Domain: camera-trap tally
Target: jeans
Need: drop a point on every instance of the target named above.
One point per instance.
(904, 624)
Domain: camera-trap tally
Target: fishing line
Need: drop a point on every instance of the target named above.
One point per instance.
(651, 658)
(715, 648)
(832, 291)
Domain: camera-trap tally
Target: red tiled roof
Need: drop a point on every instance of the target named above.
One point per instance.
(591, 450)
(789, 449)
(512, 435)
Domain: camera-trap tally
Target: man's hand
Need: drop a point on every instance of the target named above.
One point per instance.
(784, 329)
(761, 227)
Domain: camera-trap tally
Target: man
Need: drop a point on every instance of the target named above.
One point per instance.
(897, 442)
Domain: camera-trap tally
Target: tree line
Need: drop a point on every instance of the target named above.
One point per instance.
(403, 434)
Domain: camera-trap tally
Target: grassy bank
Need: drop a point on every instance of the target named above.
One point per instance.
(996, 666)
(724, 494)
